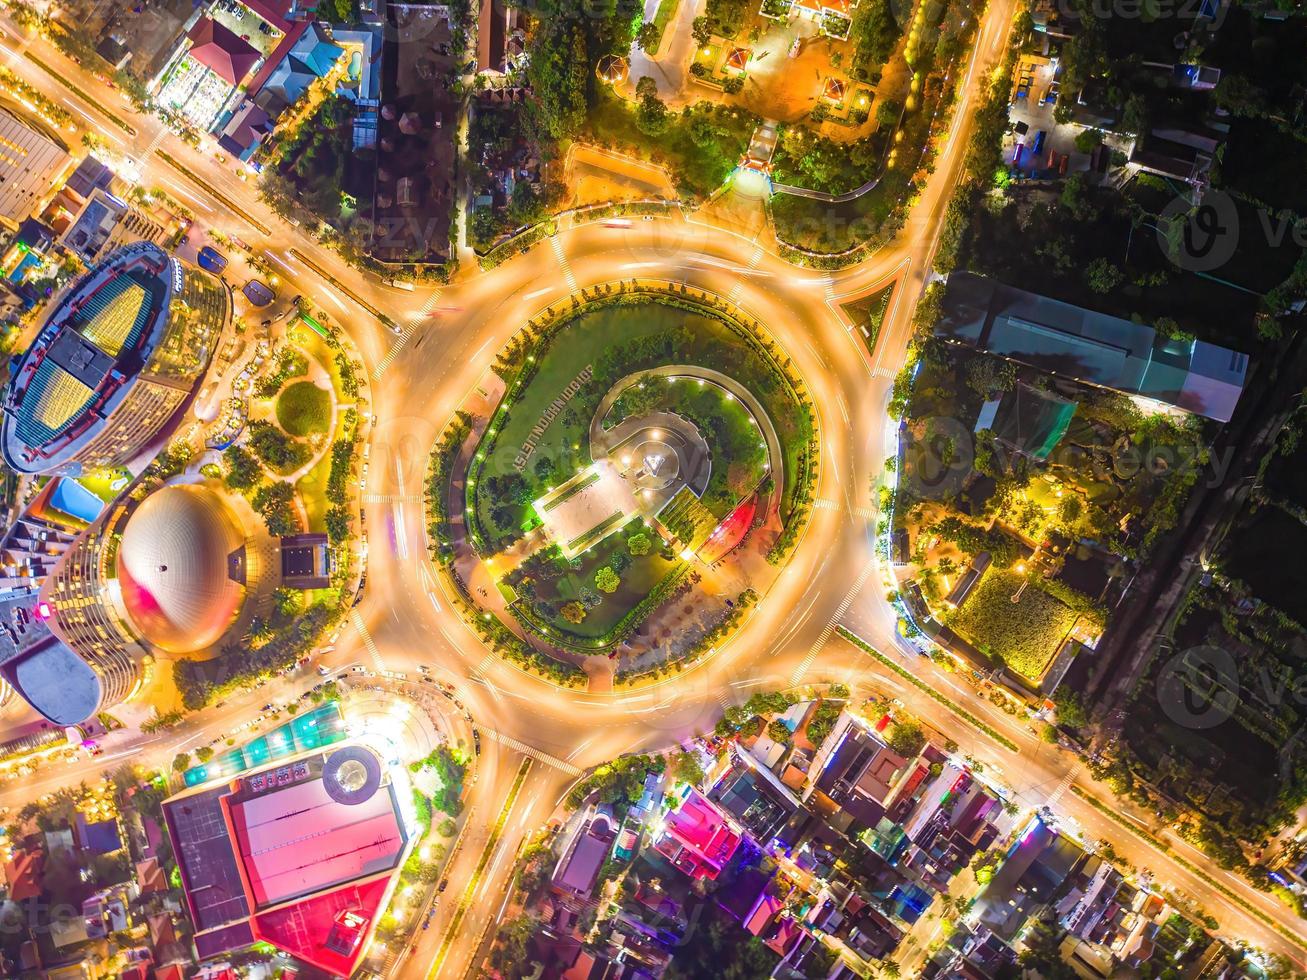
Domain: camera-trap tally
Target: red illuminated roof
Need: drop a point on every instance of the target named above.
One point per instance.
(222, 51)
(729, 533)
(298, 840)
(304, 930)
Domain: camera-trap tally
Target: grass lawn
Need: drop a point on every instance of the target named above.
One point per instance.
(304, 409)
(1025, 634)
(663, 16)
(868, 314)
(312, 486)
(820, 227)
(502, 497)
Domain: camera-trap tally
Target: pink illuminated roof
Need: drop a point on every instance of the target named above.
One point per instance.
(702, 830)
(299, 840)
(305, 929)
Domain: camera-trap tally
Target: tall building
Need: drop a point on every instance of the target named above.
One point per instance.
(31, 163)
(120, 355)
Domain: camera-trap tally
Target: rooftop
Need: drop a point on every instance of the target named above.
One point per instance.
(1091, 347)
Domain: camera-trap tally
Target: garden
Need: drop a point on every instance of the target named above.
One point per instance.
(1025, 634)
(558, 378)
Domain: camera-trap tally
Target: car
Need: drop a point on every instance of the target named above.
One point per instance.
(211, 260)
(403, 284)
(357, 669)
(617, 223)
(424, 668)
(323, 671)
(444, 883)
(267, 707)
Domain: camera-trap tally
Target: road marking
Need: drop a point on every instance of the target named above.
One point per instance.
(866, 513)
(414, 322)
(557, 246)
(391, 498)
(1064, 785)
(530, 751)
(483, 668)
(829, 628)
(738, 289)
(217, 195)
(723, 698)
(368, 642)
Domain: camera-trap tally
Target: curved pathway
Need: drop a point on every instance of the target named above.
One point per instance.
(775, 456)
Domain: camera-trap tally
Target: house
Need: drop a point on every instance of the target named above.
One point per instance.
(1027, 420)
(222, 51)
(752, 795)
(310, 58)
(1091, 348)
(584, 854)
(697, 838)
(1031, 875)
(100, 837)
(23, 875)
(856, 774)
(246, 130)
(150, 878)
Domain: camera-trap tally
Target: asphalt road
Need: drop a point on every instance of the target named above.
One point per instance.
(420, 377)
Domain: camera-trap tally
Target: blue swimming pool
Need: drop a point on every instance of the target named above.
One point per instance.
(75, 500)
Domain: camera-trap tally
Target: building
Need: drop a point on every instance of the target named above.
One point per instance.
(753, 796)
(106, 222)
(1091, 348)
(697, 838)
(855, 775)
(31, 163)
(1031, 877)
(584, 854)
(165, 575)
(118, 358)
(302, 855)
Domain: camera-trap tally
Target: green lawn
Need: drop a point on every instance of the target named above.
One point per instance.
(304, 409)
(1025, 634)
(821, 227)
(647, 334)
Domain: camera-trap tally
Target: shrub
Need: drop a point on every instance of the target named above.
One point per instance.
(304, 409)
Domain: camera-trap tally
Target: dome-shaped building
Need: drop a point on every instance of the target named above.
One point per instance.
(181, 568)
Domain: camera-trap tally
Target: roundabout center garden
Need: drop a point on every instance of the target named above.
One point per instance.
(649, 435)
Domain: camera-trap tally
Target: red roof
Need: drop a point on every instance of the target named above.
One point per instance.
(304, 929)
(23, 875)
(222, 51)
(174, 971)
(706, 840)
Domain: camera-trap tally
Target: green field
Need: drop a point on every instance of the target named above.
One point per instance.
(304, 409)
(615, 341)
(1025, 634)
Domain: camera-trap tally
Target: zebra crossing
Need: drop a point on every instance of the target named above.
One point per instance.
(829, 628)
(1064, 785)
(368, 643)
(822, 503)
(404, 338)
(530, 751)
(391, 498)
(557, 246)
(738, 289)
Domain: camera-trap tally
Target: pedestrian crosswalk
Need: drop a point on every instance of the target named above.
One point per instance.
(829, 628)
(368, 643)
(1064, 785)
(391, 498)
(530, 751)
(738, 289)
(822, 503)
(557, 246)
(414, 322)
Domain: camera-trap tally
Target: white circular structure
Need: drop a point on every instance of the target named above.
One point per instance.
(181, 566)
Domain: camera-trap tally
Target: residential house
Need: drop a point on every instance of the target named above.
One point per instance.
(697, 838)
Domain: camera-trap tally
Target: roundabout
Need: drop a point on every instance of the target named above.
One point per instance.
(648, 433)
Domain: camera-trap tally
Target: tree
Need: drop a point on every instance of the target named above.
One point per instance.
(639, 544)
(1134, 117)
(606, 580)
(1088, 139)
(1102, 276)
(274, 447)
(700, 30)
(887, 113)
(907, 738)
(557, 72)
(272, 501)
(685, 767)
(648, 37)
(778, 732)
(573, 612)
(243, 470)
(181, 762)
(1070, 708)
(647, 85)
(651, 116)
(989, 375)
